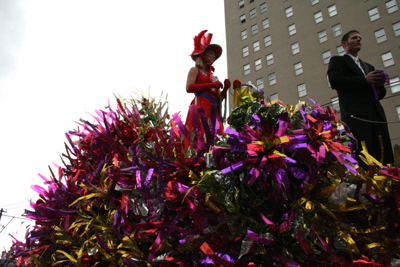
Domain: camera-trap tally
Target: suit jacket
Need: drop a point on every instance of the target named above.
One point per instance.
(356, 96)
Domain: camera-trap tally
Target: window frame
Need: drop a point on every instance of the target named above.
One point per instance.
(294, 49)
(246, 69)
(390, 8)
(298, 68)
(289, 12)
(379, 38)
(316, 19)
(258, 64)
(243, 34)
(335, 102)
(265, 25)
(269, 59)
(256, 46)
(396, 31)
(253, 13)
(374, 16)
(390, 60)
(254, 29)
(245, 53)
(342, 51)
(242, 18)
(335, 30)
(272, 81)
(314, 2)
(291, 31)
(262, 8)
(396, 86)
(398, 111)
(332, 11)
(300, 89)
(260, 85)
(326, 59)
(269, 43)
(322, 39)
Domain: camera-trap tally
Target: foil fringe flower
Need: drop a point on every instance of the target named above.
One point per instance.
(281, 189)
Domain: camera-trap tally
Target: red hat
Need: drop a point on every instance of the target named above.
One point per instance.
(202, 42)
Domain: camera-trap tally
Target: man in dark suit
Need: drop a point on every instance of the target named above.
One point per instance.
(359, 104)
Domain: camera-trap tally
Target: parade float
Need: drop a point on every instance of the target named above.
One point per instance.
(280, 189)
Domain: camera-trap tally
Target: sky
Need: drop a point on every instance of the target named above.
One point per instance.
(62, 60)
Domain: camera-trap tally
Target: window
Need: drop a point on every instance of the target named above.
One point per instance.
(318, 17)
(246, 69)
(245, 51)
(380, 36)
(335, 103)
(326, 56)
(270, 59)
(387, 59)
(322, 36)
(340, 50)
(241, 3)
(314, 2)
(373, 14)
(395, 85)
(244, 34)
(398, 111)
(298, 68)
(263, 7)
(396, 28)
(256, 46)
(258, 64)
(267, 41)
(329, 84)
(332, 10)
(274, 97)
(272, 80)
(254, 29)
(301, 88)
(265, 24)
(295, 48)
(289, 12)
(243, 18)
(337, 30)
(253, 13)
(260, 83)
(292, 29)
(391, 6)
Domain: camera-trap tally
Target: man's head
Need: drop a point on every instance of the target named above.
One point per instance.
(352, 42)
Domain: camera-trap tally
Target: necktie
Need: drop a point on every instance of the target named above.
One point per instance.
(359, 65)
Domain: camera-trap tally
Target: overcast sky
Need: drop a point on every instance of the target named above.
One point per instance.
(60, 60)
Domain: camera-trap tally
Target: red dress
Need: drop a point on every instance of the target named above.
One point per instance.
(205, 103)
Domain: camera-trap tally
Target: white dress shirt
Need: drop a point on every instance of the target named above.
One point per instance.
(357, 61)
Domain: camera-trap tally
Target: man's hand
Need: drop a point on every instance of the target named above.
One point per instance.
(375, 77)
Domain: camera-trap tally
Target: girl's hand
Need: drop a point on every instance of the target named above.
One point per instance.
(227, 84)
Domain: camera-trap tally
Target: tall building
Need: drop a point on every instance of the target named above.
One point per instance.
(284, 47)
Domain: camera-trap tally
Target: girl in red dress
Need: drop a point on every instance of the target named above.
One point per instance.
(202, 82)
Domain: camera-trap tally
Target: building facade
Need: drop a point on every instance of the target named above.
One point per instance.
(284, 47)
